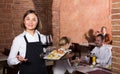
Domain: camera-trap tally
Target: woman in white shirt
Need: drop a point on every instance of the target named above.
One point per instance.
(63, 65)
(27, 47)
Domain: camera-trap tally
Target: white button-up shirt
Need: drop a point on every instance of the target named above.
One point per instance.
(103, 54)
(62, 65)
(19, 45)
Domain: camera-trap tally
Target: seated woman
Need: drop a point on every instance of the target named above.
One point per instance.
(63, 65)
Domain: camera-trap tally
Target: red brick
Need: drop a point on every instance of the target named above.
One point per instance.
(115, 16)
(116, 22)
(5, 16)
(6, 11)
(115, 49)
(115, 1)
(115, 11)
(8, 1)
(8, 6)
(116, 65)
(115, 32)
(117, 5)
(56, 6)
(1, 1)
(4, 20)
(2, 6)
(116, 43)
(116, 38)
(116, 28)
(115, 71)
(114, 59)
(116, 54)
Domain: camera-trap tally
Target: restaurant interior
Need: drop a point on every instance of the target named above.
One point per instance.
(76, 19)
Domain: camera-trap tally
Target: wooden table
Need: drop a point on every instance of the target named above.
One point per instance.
(87, 69)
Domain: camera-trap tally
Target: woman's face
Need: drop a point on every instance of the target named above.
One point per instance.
(68, 45)
(30, 21)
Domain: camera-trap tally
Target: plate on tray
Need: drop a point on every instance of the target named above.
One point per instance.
(55, 54)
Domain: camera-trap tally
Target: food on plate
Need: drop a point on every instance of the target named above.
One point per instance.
(50, 56)
(60, 51)
(56, 54)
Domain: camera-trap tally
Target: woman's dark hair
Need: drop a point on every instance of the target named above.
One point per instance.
(29, 12)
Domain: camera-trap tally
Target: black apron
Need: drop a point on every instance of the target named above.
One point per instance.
(34, 64)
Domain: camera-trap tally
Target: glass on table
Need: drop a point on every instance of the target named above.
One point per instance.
(76, 62)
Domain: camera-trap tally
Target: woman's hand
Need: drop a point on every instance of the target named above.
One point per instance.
(20, 58)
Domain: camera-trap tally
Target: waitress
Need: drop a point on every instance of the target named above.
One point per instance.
(27, 47)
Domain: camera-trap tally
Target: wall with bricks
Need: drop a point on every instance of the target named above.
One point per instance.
(116, 36)
(11, 13)
(6, 23)
(56, 21)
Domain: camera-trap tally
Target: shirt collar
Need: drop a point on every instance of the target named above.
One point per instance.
(101, 46)
(36, 32)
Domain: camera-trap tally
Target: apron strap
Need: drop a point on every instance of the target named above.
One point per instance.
(39, 38)
(25, 39)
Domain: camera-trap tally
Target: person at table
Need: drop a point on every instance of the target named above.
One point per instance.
(27, 47)
(107, 37)
(63, 65)
(102, 51)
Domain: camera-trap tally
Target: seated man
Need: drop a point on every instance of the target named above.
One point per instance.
(102, 52)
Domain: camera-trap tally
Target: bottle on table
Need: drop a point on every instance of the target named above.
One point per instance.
(92, 59)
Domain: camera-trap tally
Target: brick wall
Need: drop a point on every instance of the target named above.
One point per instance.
(116, 36)
(6, 23)
(11, 13)
(56, 21)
